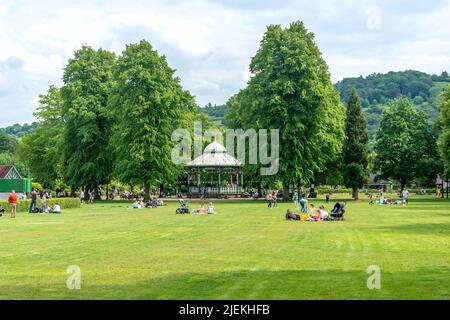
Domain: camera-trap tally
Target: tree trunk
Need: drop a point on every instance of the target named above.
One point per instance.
(285, 193)
(97, 193)
(402, 186)
(146, 191)
(86, 193)
(355, 193)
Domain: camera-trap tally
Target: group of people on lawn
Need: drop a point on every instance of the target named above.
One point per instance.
(204, 209)
(307, 213)
(13, 198)
(151, 203)
(310, 214)
(381, 199)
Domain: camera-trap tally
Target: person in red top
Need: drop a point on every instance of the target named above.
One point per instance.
(13, 203)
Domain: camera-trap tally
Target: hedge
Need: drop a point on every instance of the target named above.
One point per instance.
(331, 190)
(24, 205)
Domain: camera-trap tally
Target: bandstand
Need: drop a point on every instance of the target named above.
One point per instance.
(215, 173)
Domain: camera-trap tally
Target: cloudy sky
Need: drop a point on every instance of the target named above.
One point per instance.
(210, 43)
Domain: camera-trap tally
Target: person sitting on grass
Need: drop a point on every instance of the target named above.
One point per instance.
(210, 208)
(312, 212)
(318, 215)
(202, 209)
(56, 208)
(323, 213)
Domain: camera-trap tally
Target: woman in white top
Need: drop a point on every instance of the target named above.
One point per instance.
(210, 208)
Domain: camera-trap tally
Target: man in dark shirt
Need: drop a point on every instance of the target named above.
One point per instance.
(33, 201)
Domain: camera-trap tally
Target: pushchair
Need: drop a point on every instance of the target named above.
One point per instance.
(183, 208)
(338, 211)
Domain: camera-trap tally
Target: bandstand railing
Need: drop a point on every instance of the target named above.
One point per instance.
(215, 190)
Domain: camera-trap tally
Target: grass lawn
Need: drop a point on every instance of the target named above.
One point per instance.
(246, 251)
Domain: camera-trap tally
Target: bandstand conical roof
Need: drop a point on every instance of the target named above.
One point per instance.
(214, 155)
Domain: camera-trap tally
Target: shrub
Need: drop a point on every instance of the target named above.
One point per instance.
(329, 189)
(37, 186)
(23, 205)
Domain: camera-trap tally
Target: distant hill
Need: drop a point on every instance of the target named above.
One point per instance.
(376, 89)
(217, 113)
(18, 130)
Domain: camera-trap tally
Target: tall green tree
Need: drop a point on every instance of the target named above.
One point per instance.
(444, 138)
(403, 143)
(147, 103)
(41, 149)
(355, 151)
(87, 83)
(8, 143)
(290, 90)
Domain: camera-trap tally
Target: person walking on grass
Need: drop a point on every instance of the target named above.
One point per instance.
(405, 196)
(81, 196)
(91, 197)
(44, 202)
(269, 200)
(295, 198)
(274, 200)
(303, 203)
(13, 203)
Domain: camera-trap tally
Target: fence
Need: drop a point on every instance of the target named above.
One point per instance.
(20, 185)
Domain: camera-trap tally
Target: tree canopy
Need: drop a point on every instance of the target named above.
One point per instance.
(291, 90)
(355, 151)
(87, 83)
(147, 103)
(404, 143)
(444, 138)
(41, 149)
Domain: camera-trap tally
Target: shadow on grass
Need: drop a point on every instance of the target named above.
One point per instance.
(273, 285)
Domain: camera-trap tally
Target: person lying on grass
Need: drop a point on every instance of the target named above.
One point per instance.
(151, 203)
(201, 210)
(291, 216)
(160, 203)
(138, 204)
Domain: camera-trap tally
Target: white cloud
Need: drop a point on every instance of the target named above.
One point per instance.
(210, 43)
